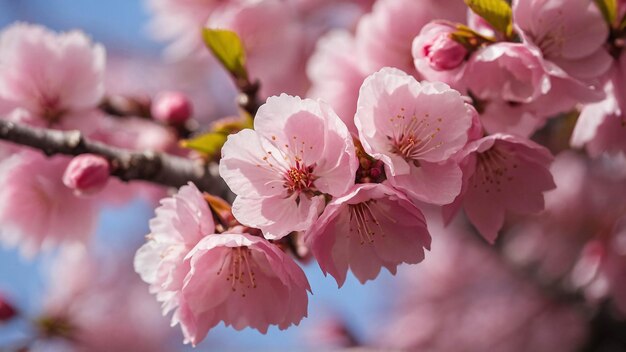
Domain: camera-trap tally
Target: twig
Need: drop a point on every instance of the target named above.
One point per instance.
(155, 167)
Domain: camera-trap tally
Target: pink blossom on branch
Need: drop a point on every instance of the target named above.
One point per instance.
(414, 128)
(242, 280)
(501, 173)
(512, 72)
(180, 223)
(298, 151)
(371, 227)
(570, 34)
(207, 278)
(58, 78)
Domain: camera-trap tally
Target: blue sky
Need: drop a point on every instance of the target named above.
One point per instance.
(121, 26)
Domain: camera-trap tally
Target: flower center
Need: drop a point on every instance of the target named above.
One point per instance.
(363, 221)
(240, 269)
(50, 108)
(494, 168)
(299, 178)
(412, 137)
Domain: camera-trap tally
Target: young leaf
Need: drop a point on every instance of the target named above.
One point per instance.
(226, 46)
(608, 8)
(496, 12)
(209, 143)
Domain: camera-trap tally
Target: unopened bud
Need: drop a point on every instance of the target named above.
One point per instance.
(87, 174)
(444, 53)
(7, 311)
(172, 108)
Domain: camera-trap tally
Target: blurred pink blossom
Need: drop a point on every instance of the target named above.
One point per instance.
(58, 90)
(464, 297)
(100, 307)
(335, 75)
(570, 34)
(266, 28)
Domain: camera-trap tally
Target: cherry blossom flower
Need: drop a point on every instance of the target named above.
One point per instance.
(37, 210)
(179, 21)
(570, 35)
(59, 90)
(522, 120)
(298, 151)
(502, 172)
(579, 239)
(205, 277)
(180, 223)
(601, 126)
(511, 72)
(243, 281)
(414, 128)
(371, 227)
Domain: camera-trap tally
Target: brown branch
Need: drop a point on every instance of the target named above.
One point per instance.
(127, 165)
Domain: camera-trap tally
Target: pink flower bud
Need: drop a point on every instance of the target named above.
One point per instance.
(438, 57)
(7, 311)
(87, 174)
(172, 108)
(444, 53)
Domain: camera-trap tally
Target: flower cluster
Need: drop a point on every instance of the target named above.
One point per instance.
(56, 201)
(206, 277)
(385, 120)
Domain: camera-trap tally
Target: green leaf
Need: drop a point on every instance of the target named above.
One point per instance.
(608, 8)
(210, 143)
(496, 12)
(228, 49)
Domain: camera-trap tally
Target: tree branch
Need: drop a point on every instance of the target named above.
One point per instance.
(127, 165)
